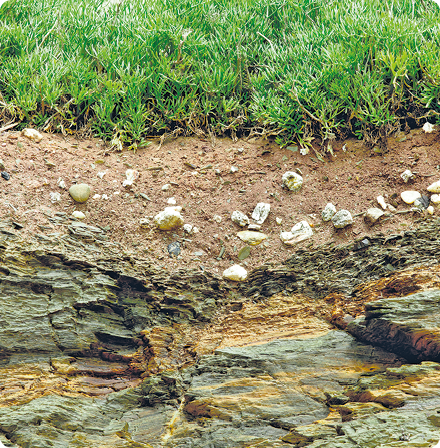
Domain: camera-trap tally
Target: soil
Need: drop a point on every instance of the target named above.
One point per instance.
(199, 172)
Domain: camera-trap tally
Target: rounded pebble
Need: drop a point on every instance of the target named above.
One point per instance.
(79, 192)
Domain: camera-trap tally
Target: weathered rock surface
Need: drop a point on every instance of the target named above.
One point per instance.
(79, 192)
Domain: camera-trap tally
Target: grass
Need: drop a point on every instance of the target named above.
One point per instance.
(295, 70)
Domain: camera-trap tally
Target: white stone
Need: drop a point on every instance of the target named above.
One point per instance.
(96, 196)
(169, 219)
(406, 175)
(435, 199)
(430, 210)
(217, 219)
(328, 212)
(252, 238)
(254, 227)
(410, 196)
(342, 219)
(298, 233)
(172, 201)
(373, 214)
(292, 181)
(435, 187)
(131, 176)
(279, 221)
(236, 273)
(55, 196)
(32, 134)
(391, 208)
(196, 229)
(381, 202)
(261, 212)
(61, 183)
(188, 228)
(234, 169)
(104, 196)
(144, 223)
(79, 192)
(428, 128)
(166, 187)
(78, 215)
(101, 174)
(239, 218)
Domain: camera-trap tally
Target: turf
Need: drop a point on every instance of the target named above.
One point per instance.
(296, 70)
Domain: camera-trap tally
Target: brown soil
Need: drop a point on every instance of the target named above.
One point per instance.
(351, 180)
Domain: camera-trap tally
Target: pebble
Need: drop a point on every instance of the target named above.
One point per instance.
(239, 218)
(244, 252)
(166, 187)
(174, 249)
(79, 192)
(217, 219)
(410, 196)
(328, 212)
(261, 212)
(61, 183)
(55, 196)
(292, 181)
(234, 169)
(131, 176)
(169, 219)
(2, 165)
(252, 238)
(422, 202)
(172, 201)
(32, 134)
(435, 187)
(78, 215)
(188, 228)
(144, 223)
(236, 273)
(144, 196)
(428, 128)
(406, 175)
(381, 202)
(104, 196)
(435, 199)
(96, 196)
(391, 208)
(342, 219)
(430, 210)
(101, 174)
(373, 214)
(255, 227)
(5, 175)
(279, 221)
(298, 233)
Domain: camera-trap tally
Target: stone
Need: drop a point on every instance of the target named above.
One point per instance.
(244, 252)
(174, 249)
(61, 183)
(239, 218)
(391, 208)
(166, 187)
(234, 169)
(217, 219)
(32, 134)
(169, 219)
(406, 175)
(410, 196)
(261, 212)
(298, 233)
(430, 210)
(54, 196)
(188, 228)
(5, 175)
(101, 174)
(422, 202)
(252, 238)
(236, 273)
(435, 187)
(144, 223)
(292, 181)
(131, 176)
(78, 215)
(171, 201)
(372, 215)
(328, 212)
(435, 199)
(342, 219)
(381, 202)
(428, 128)
(255, 227)
(2, 165)
(278, 220)
(79, 192)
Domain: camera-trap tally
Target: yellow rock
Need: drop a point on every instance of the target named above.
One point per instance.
(252, 238)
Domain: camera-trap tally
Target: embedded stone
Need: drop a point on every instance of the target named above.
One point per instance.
(373, 215)
(252, 238)
(79, 192)
(435, 199)
(406, 175)
(261, 212)
(435, 187)
(410, 196)
(78, 215)
(239, 218)
(292, 181)
(32, 134)
(381, 202)
(328, 212)
(169, 219)
(298, 233)
(342, 219)
(236, 273)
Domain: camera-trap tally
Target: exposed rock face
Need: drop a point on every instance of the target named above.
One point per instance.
(98, 349)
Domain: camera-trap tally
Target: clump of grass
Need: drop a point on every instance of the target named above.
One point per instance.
(293, 69)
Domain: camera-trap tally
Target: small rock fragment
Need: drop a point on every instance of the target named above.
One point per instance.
(381, 202)
(430, 210)
(261, 212)
(244, 252)
(298, 233)
(236, 273)
(188, 228)
(79, 192)
(279, 221)
(5, 175)
(61, 183)
(255, 227)
(174, 249)
(422, 202)
(435, 187)
(217, 218)
(292, 181)
(78, 215)
(406, 175)
(328, 212)
(342, 219)
(172, 201)
(410, 196)
(435, 199)
(252, 238)
(239, 218)
(391, 208)
(101, 174)
(169, 219)
(131, 176)
(373, 214)
(32, 134)
(428, 128)
(166, 187)
(234, 169)
(96, 196)
(144, 223)
(55, 196)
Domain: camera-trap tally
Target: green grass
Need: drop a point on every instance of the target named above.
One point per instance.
(290, 69)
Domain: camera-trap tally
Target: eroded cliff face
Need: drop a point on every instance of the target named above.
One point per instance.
(336, 350)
